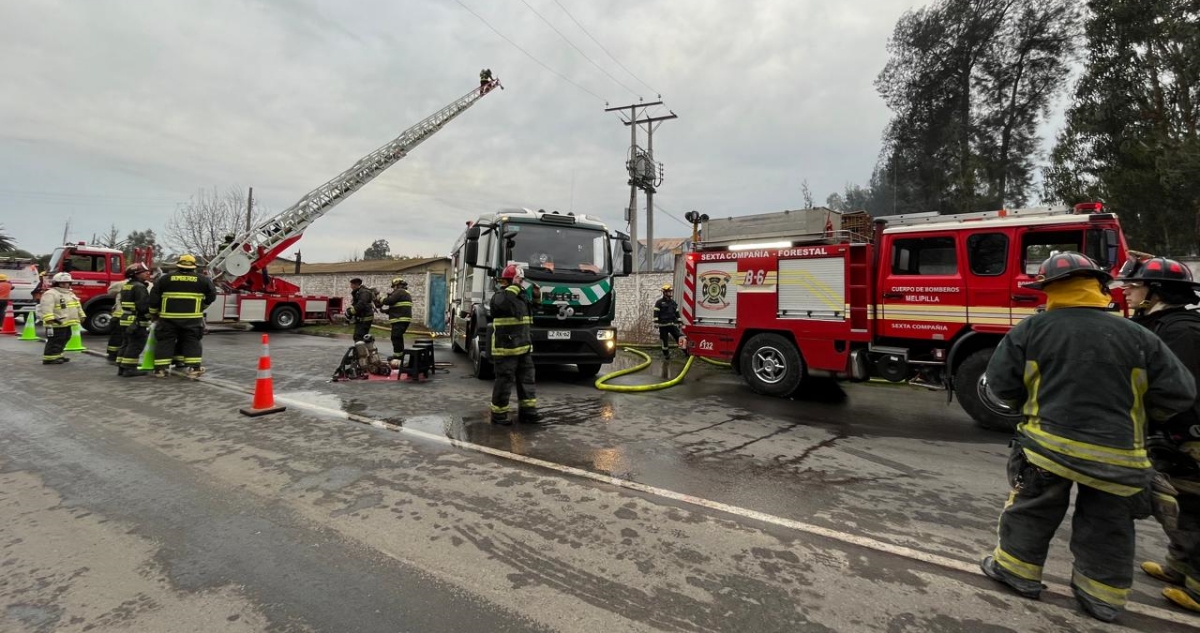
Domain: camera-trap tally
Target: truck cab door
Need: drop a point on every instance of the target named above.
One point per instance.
(922, 290)
(991, 256)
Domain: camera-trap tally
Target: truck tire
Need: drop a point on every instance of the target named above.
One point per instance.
(481, 367)
(771, 365)
(587, 370)
(99, 320)
(285, 318)
(966, 382)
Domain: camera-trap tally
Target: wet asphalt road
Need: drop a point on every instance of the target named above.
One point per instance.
(152, 505)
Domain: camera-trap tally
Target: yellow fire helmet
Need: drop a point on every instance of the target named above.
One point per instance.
(186, 261)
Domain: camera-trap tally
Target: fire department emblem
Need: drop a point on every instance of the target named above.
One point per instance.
(714, 285)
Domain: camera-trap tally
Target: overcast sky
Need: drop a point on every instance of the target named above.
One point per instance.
(116, 111)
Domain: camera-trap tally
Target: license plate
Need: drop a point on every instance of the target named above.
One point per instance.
(559, 335)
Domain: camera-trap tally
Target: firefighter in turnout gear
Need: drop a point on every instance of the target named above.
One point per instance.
(117, 338)
(1159, 289)
(1086, 408)
(398, 306)
(60, 312)
(135, 302)
(512, 349)
(666, 319)
(177, 304)
(362, 308)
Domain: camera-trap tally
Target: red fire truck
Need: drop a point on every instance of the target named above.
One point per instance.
(94, 269)
(925, 298)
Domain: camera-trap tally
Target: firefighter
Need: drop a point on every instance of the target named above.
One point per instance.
(398, 306)
(135, 299)
(512, 349)
(485, 77)
(177, 305)
(1159, 289)
(61, 312)
(362, 308)
(1085, 409)
(118, 316)
(666, 318)
(5, 292)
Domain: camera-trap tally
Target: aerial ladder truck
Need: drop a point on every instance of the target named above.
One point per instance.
(248, 293)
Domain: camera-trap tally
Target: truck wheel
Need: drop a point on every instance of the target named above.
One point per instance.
(772, 365)
(285, 318)
(587, 370)
(966, 383)
(100, 321)
(481, 367)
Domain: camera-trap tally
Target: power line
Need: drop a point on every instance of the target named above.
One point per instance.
(568, 41)
(658, 207)
(610, 55)
(527, 53)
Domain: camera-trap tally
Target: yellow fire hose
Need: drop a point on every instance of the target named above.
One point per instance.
(601, 382)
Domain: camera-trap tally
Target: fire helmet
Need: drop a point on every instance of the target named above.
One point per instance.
(512, 273)
(61, 278)
(186, 261)
(133, 270)
(1156, 270)
(3, 277)
(666, 288)
(1067, 264)
(399, 282)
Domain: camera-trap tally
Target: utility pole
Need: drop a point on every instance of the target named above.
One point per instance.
(249, 208)
(644, 173)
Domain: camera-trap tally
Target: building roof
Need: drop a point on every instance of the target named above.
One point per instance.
(364, 266)
(666, 244)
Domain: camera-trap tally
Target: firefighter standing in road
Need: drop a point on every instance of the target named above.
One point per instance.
(666, 318)
(120, 319)
(135, 302)
(1159, 289)
(5, 292)
(512, 349)
(1086, 406)
(177, 303)
(362, 308)
(398, 306)
(60, 312)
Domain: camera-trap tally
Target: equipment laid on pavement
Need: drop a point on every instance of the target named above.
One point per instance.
(362, 362)
(417, 363)
(797, 294)
(249, 293)
(264, 386)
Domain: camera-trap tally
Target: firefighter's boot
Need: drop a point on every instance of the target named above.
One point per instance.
(1100, 610)
(1182, 598)
(530, 416)
(162, 373)
(501, 418)
(130, 372)
(1027, 588)
(112, 358)
(1162, 572)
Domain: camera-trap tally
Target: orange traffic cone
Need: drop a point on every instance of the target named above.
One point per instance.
(10, 322)
(264, 390)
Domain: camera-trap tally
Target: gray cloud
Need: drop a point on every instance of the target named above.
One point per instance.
(117, 110)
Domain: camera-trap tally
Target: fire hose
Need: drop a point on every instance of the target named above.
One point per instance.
(601, 382)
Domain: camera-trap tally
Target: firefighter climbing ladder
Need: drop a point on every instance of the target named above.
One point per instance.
(252, 251)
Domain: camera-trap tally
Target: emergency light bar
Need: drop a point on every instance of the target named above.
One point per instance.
(1089, 207)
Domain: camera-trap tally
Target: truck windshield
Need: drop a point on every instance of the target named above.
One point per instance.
(558, 251)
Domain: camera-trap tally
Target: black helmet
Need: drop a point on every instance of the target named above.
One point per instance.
(1156, 270)
(1067, 264)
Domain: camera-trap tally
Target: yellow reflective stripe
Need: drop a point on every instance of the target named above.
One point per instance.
(1191, 583)
(496, 409)
(1033, 382)
(1107, 594)
(400, 320)
(402, 304)
(531, 402)
(1045, 463)
(181, 315)
(1140, 384)
(1125, 458)
(515, 351)
(1018, 567)
(506, 321)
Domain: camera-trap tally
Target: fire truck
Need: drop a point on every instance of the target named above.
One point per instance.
(95, 269)
(249, 293)
(921, 298)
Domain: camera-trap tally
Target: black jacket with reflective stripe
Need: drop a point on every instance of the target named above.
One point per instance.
(666, 311)
(1179, 329)
(1088, 383)
(182, 295)
(135, 302)
(363, 303)
(511, 318)
(399, 306)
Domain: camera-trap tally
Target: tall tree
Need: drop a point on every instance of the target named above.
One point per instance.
(7, 243)
(968, 81)
(1131, 131)
(379, 249)
(109, 239)
(141, 240)
(200, 225)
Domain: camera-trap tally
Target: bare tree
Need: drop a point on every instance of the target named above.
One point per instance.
(200, 225)
(807, 194)
(111, 239)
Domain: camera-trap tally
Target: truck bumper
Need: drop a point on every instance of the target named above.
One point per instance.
(576, 345)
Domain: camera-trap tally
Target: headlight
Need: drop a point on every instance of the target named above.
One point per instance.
(605, 335)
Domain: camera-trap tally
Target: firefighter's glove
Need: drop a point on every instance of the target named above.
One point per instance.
(1163, 503)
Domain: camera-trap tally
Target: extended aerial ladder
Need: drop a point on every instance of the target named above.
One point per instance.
(241, 265)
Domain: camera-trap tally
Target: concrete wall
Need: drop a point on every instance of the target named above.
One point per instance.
(635, 313)
(338, 285)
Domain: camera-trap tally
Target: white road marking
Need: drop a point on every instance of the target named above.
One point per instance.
(946, 562)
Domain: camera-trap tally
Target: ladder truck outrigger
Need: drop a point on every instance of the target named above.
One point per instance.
(249, 294)
(922, 298)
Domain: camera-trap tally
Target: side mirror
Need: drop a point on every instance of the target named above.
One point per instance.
(471, 249)
(626, 257)
(1109, 246)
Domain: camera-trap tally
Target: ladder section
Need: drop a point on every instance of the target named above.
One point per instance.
(931, 217)
(262, 244)
(858, 287)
